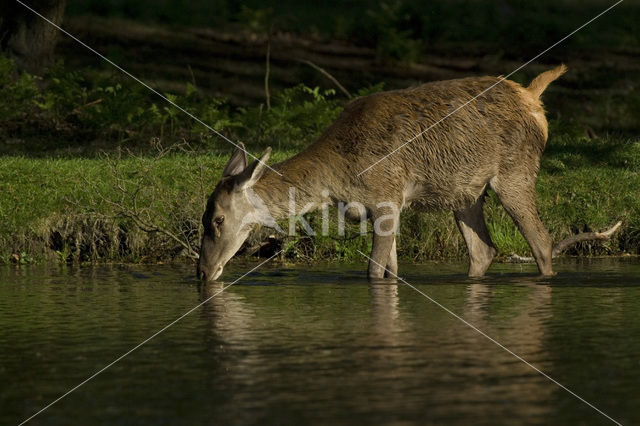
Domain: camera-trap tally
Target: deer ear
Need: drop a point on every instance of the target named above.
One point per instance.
(251, 174)
(237, 163)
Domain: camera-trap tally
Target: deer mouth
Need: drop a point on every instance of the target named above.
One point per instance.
(217, 273)
(204, 276)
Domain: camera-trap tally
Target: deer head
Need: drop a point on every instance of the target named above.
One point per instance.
(233, 209)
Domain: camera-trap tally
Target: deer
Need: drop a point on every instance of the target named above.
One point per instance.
(399, 149)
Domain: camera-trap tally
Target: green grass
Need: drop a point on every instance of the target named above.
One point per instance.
(75, 205)
(80, 153)
(59, 209)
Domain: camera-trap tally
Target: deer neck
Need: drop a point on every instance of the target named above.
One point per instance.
(299, 189)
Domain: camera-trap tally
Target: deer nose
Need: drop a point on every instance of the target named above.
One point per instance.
(200, 273)
(204, 274)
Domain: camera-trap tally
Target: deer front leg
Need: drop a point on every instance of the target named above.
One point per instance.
(392, 263)
(385, 224)
(380, 255)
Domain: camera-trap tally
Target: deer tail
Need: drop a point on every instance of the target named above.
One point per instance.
(540, 83)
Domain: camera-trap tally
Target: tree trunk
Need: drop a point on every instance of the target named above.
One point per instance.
(27, 38)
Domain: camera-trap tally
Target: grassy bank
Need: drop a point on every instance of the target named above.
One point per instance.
(96, 169)
(83, 209)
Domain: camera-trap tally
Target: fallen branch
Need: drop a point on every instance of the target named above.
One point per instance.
(134, 195)
(564, 244)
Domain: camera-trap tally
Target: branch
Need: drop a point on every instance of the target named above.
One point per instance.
(584, 236)
(127, 200)
(150, 227)
(574, 239)
(326, 74)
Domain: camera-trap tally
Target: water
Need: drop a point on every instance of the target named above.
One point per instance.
(320, 345)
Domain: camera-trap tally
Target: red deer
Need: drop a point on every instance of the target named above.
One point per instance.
(494, 139)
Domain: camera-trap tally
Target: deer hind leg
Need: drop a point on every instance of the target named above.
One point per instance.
(518, 196)
(474, 230)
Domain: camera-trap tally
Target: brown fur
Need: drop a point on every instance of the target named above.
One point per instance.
(495, 141)
(540, 83)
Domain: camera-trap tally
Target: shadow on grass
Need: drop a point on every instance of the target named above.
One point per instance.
(566, 152)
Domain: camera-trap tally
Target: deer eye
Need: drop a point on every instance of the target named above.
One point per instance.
(218, 220)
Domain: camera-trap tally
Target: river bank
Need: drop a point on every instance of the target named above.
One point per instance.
(147, 208)
(95, 168)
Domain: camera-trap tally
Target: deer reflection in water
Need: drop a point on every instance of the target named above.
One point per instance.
(382, 346)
